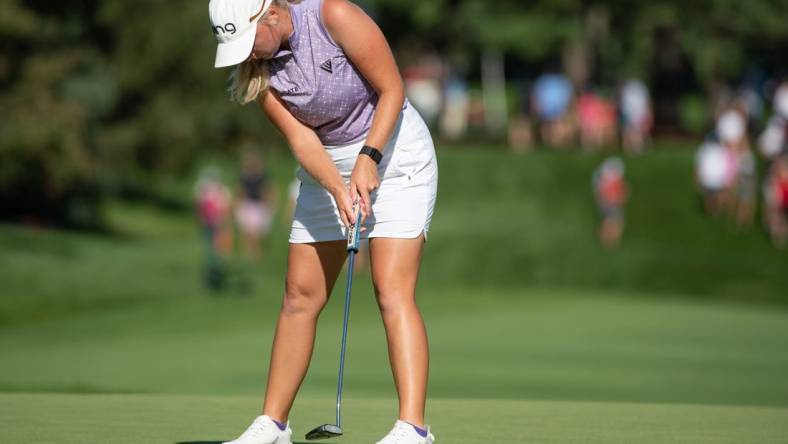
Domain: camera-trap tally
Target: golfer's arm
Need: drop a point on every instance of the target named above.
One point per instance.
(306, 146)
(365, 45)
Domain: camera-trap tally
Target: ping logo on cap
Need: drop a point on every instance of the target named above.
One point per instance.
(229, 28)
(234, 24)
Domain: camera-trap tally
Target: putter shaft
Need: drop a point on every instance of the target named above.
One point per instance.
(351, 263)
(352, 249)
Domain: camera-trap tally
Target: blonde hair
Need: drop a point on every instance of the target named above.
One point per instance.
(249, 79)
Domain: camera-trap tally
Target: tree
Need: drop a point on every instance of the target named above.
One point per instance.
(102, 96)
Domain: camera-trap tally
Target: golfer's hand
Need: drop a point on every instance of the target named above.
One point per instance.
(363, 181)
(344, 205)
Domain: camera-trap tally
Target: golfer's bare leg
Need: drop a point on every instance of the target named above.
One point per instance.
(395, 270)
(312, 270)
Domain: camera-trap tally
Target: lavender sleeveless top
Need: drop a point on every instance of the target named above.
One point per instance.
(317, 82)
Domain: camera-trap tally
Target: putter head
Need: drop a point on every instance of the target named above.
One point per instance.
(324, 431)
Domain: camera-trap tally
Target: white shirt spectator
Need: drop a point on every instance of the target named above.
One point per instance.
(712, 166)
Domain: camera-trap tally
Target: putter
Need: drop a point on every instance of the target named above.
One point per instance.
(333, 430)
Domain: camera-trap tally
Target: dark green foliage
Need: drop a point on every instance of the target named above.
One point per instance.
(720, 36)
(106, 96)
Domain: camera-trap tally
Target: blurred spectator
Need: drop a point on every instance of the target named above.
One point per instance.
(721, 96)
(520, 134)
(423, 85)
(597, 120)
(746, 185)
(253, 206)
(454, 120)
(774, 140)
(751, 104)
(776, 199)
(711, 174)
(213, 207)
(731, 132)
(476, 110)
(494, 91)
(611, 193)
(637, 117)
(720, 161)
(552, 101)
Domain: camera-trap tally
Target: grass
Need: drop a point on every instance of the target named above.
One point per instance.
(515, 221)
(502, 221)
(534, 345)
(211, 419)
(537, 333)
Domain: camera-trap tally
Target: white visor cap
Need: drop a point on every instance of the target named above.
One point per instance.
(234, 24)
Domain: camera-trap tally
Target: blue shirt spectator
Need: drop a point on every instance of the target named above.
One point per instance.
(552, 95)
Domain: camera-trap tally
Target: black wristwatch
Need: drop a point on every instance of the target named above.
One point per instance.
(372, 152)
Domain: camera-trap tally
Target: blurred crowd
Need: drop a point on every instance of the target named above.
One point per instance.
(566, 118)
(727, 167)
(555, 112)
(235, 222)
(743, 158)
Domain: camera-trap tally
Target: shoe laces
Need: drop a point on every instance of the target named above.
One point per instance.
(258, 427)
(398, 434)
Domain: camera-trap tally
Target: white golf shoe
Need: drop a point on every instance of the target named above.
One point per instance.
(264, 431)
(404, 433)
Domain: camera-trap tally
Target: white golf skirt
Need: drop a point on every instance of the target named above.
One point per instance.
(402, 206)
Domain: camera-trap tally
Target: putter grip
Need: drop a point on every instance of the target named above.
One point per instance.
(354, 233)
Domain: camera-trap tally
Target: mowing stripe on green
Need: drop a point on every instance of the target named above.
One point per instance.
(118, 419)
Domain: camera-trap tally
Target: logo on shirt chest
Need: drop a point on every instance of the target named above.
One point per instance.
(327, 66)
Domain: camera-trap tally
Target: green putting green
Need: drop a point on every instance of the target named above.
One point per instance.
(119, 419)
(679, 336)
(516, 345)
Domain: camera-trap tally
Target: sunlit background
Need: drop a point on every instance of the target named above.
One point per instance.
(608, 260)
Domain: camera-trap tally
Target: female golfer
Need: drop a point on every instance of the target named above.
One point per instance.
(324, 74)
